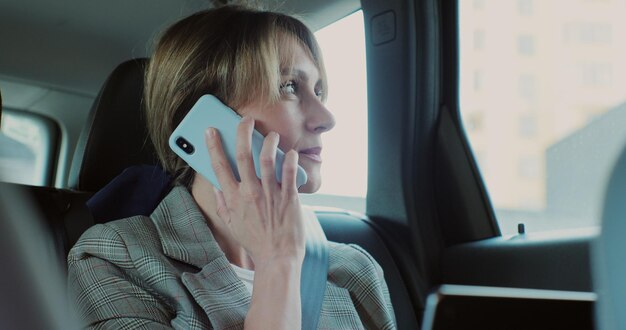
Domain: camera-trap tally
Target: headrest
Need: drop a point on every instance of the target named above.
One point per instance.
(115, 135)
(609, 264)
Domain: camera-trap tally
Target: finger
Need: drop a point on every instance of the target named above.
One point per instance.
(290, 168)
(220, 164)
(245, 163)
(267, 159)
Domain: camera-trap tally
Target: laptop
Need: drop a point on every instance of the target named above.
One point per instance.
(477, 307)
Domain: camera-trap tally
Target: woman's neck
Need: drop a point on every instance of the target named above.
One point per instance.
(203, 194)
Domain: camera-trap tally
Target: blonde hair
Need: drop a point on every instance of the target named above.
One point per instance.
(233, 52)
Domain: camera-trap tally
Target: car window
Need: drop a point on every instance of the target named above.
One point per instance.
(542, 100)
(344, 168)
(27, 148)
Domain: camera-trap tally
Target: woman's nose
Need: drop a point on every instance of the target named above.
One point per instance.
(320, 118)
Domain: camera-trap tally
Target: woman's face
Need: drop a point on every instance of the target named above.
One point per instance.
(299, 117)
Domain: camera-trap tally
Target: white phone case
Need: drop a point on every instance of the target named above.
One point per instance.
(211, 112)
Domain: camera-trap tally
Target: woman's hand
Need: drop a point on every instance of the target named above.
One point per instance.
(264, 216)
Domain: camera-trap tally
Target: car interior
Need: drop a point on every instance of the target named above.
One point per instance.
(429, 218)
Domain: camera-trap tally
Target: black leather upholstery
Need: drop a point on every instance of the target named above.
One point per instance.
(115, 135)
(64, 213)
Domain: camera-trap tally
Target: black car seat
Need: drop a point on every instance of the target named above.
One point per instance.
(114, 113)
(115, 138)
(115, 135)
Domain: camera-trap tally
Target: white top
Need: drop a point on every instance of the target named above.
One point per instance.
(246, 275)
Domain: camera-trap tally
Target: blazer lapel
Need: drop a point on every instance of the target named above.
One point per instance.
(220, 293)
(186, 237)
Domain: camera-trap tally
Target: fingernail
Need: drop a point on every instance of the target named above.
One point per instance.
(210, 132)
(277, 138)
(273, 135)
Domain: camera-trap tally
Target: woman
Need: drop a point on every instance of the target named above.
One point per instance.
(228, 259)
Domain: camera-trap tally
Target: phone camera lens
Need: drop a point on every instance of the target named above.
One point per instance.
(185, 145)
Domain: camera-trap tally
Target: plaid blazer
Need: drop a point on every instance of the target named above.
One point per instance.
(167, 271)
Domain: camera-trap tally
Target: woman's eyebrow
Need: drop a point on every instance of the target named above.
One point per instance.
(293, 72)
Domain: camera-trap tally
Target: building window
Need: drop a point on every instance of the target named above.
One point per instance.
(525, 7)
(587, 33)
(478, 80)
(479, 39)
(527, 87)
(526, 45)
(596, 75)
(528, 126)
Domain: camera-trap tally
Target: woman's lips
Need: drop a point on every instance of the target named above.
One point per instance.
(312, 153)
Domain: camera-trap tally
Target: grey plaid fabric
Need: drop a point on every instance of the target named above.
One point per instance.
(167, 271)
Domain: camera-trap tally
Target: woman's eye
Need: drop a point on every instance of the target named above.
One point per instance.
(319, 93)
(289, 87)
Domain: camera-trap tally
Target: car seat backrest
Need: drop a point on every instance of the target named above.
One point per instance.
(64, 213)
(113, 139)
(115, 135)
(609, 264)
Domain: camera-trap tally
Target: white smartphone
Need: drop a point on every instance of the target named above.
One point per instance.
(188, 141)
